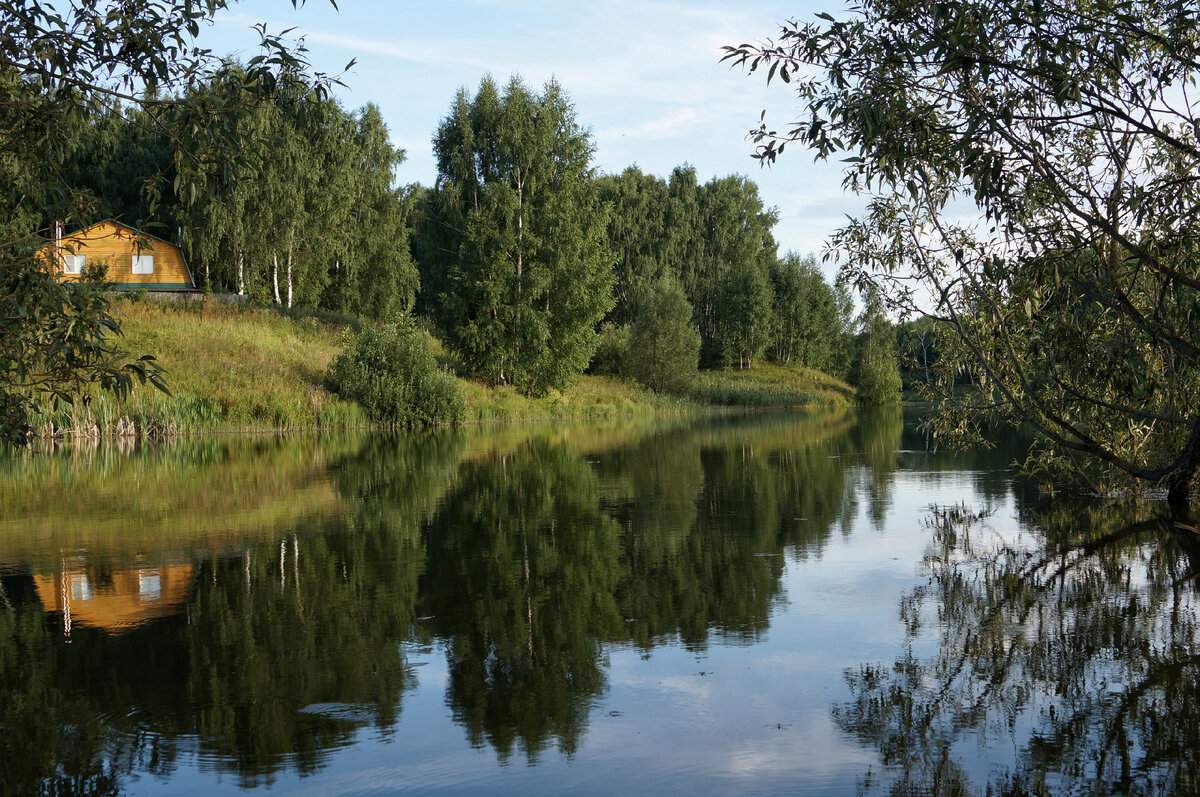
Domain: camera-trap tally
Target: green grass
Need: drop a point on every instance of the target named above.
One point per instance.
(589, 397)
(240, 368)
(771, 385)
(228, 367)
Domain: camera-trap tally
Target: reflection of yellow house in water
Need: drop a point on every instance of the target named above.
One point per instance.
(117, 603)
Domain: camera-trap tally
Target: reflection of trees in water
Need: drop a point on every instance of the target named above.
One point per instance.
(284, 652)
(540, 555)
(528, 560)
(1079, 653)
(705, 517)
(519, 579)
(286, 648)
(878, 435)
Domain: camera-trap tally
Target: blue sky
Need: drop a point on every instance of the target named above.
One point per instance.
(645, 77)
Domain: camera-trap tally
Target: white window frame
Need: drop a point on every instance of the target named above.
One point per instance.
(143, 264)
(74, 264)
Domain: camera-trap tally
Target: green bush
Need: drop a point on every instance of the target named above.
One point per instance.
(664, 347)
(611, 351)
(876, 369)
(390, 371)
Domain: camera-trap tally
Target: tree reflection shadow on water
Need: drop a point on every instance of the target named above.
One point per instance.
(525, 557)
(1060, 658)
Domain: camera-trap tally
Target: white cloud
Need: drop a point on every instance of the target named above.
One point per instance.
(660, 127)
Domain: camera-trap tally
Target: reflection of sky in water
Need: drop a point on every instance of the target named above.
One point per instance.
(733, 718)
(735, 715)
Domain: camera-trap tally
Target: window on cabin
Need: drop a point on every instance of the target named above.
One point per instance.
(143, 264)
(74, 264)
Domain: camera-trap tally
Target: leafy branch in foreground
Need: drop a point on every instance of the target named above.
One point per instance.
(55, 341)
(1034, 175)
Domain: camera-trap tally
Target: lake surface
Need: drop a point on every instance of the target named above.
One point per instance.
(801, 603)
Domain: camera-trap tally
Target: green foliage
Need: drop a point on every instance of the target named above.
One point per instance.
(56, 340)
(725, 278)
(876, 370)
(307, 211)
(391, 372)
(1072, 291)
(119, 163)
(811, 318)
(525, 274)
(714, 240)
(59, 73)
(664, 347)
(612, 351)
(639, 235)
(745, 317)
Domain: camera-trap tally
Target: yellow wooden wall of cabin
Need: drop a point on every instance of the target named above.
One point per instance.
(116, 244)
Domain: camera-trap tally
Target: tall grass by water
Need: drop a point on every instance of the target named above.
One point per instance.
(771, 385)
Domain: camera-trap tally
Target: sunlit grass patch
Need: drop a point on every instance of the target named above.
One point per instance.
(244, 368)
(771, 385)
(227, 366)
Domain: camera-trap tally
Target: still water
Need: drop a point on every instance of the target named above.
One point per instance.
(773, 603)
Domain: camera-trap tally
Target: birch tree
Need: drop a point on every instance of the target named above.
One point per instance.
(528, 276)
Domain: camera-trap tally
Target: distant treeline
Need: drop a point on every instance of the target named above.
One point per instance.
(524, 258)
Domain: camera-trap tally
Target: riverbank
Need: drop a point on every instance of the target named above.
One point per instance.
(238, 368)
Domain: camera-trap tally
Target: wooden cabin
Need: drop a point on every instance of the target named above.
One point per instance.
(135, 259)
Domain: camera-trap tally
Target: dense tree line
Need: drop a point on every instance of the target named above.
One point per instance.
(298, 207)
(715, 241)
(519, 254)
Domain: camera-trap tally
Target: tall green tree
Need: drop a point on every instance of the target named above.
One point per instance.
(124, 167)
(811, 322)
(637, 234)
(731, 267)
(310, 215)
(1070, 127)
(876, 369)
(528, 275)
(744, 315)
(664, 347)
(371, 268)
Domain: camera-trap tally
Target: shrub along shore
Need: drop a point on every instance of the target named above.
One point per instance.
(241, 368)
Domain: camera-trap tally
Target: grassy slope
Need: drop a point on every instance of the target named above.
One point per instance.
(771, 385)
(230, 367)
(240, 368)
